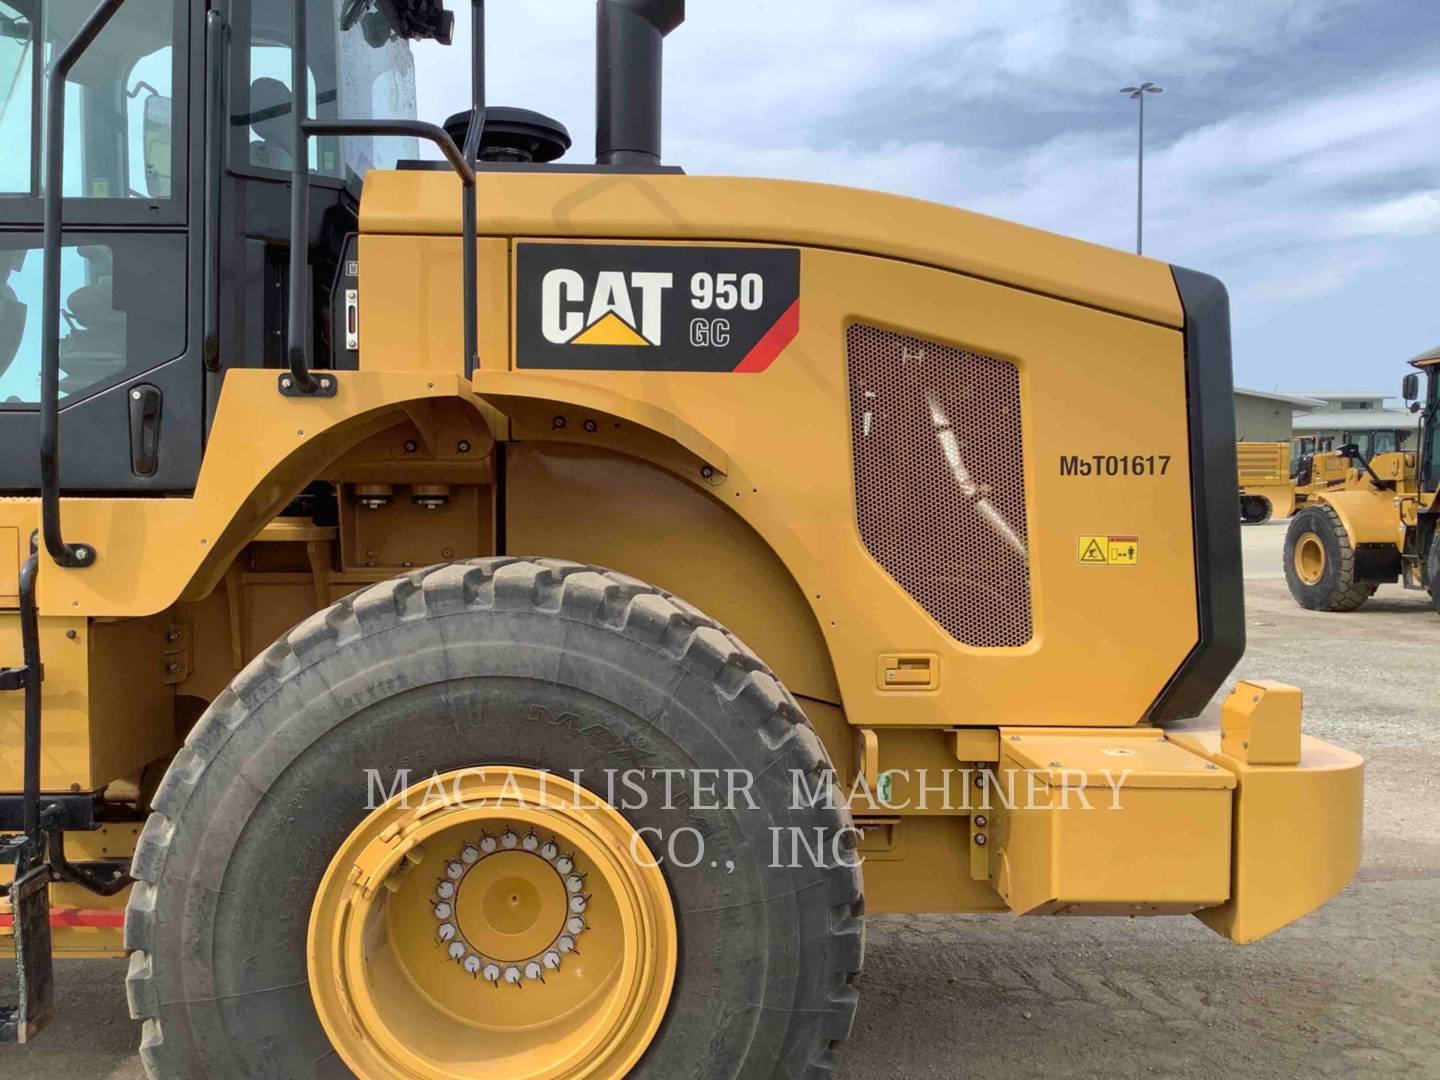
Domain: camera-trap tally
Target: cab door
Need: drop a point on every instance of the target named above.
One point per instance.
(131, 380)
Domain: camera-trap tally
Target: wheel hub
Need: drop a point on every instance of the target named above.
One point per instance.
(1309, 559)
(452, 898)
(510, 908)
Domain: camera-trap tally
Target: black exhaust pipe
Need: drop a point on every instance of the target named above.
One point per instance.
(629, 48)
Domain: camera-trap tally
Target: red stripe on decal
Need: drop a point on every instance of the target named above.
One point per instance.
(773, 343)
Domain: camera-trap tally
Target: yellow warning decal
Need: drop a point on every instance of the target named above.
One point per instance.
(1109, 550)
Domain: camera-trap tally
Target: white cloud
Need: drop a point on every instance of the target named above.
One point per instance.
(1291, 199)
(1408, 215)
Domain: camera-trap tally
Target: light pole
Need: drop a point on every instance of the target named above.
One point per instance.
(1137, 93)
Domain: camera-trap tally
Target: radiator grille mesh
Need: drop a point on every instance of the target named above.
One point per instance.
(940, 481)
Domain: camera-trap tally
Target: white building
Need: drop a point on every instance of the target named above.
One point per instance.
(1354, 417)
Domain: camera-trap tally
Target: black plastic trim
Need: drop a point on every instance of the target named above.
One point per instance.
(1214, 489)
(214, 148)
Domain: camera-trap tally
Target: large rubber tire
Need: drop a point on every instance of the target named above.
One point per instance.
(536, 663)
(1432, 573)
(1336, 589)
(1254, 510)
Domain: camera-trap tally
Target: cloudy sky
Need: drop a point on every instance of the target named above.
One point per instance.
(1295, 151)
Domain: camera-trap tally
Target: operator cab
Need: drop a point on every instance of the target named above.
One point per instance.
(136, 395)
(1426, 401)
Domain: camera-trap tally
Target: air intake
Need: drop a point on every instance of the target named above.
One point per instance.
(940, 481)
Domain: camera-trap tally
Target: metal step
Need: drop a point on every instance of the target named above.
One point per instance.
(34, 970)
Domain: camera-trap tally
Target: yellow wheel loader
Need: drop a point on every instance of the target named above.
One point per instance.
(1378, 525)
(505, 617)
(1319, 471)
(1266, 487)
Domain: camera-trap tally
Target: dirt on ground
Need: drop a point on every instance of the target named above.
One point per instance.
(1351, 990)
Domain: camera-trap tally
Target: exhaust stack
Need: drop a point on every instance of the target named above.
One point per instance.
(629, 48)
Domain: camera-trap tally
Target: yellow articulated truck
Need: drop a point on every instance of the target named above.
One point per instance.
(1378, 525)
(1266, 487)
(504, 618)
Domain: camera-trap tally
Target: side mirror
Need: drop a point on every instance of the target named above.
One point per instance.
(158, 130)
(1410, 387)
(1349, 450)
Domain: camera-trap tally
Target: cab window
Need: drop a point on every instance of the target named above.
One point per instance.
(1430, 452)
(121, 310)
(18, 72)
(119, 128)
(357, 70)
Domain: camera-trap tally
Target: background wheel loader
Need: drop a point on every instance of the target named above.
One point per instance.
(504, 617)
(1379, 524)
(1267, 488)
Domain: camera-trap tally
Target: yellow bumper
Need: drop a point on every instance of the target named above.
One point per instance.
(1296, 833)
(1247, 826)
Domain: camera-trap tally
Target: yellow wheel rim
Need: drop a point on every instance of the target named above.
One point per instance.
(494, 922)
(1310, 559)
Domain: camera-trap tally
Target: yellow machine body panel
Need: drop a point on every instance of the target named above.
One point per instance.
(1297, 834)
(1072, 808)
(779, 441)
(1328, 470)
(1371, 513)
(744, 210)
(1265, 472)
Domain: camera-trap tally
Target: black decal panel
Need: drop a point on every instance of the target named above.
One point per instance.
(634, 307)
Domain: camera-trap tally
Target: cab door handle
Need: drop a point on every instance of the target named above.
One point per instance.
(146, 407)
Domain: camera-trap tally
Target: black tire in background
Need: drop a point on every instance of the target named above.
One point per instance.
(1432, 573)
(536, 663)
(1336, 589)
(1255, 509)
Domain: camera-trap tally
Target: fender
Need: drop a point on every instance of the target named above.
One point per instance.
(262, 451)
(1369, 516)
(613, 439)
(537, 406)
(1373, 523)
